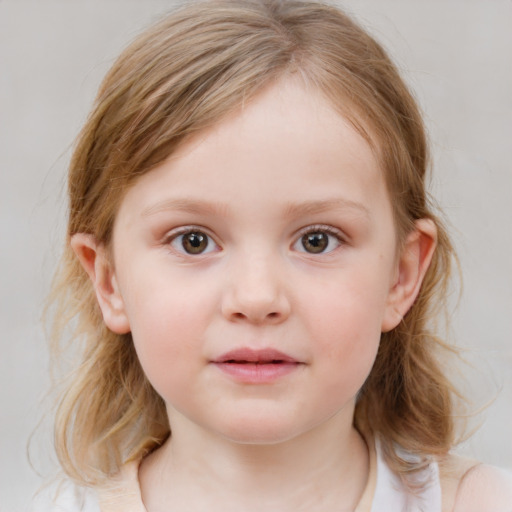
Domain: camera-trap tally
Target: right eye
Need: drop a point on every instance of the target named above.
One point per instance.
(193, 242)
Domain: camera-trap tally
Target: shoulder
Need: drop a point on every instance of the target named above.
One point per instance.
(470, 486)
(484, 487)
(119, 493)
(65, 496)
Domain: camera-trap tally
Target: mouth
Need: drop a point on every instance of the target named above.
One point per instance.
(256, 366)
(251, 356)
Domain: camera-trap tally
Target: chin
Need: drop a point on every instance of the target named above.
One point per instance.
(260, 429)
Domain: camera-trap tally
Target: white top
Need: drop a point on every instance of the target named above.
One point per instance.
(66, 497)
(384, 493)
(391, 495)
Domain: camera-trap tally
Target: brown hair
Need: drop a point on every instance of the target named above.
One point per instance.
(185, 74)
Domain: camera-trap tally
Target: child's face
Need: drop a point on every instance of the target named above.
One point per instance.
(272, 232)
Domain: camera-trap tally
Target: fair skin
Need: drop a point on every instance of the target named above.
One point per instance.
(270, 235)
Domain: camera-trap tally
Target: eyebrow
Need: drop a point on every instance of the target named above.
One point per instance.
(198, 207)
(321, 206)
(185, 205)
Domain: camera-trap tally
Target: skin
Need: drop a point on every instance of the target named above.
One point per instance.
(285, 166)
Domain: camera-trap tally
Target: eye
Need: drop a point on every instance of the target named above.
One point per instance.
(318, 240)
(193, 242)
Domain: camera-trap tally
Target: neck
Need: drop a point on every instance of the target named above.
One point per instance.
(325, 468)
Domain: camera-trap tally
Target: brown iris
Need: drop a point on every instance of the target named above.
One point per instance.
(315, 242)
(194, 242)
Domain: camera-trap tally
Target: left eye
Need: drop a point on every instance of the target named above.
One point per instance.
(193, 242)
(317, 241)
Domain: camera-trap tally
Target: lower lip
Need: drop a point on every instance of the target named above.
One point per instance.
(252, 373)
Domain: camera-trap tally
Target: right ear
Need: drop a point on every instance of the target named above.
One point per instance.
(94, 259)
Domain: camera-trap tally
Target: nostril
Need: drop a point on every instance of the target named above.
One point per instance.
(270, 316)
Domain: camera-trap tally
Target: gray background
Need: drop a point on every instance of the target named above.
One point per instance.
(457, 55)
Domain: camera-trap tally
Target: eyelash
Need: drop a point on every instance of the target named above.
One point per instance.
(174, 237)
(321, 228)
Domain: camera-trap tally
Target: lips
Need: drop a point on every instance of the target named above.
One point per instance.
(261, 366)
(261, 356)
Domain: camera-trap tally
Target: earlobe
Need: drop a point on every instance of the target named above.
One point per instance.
(93, 257)
(413, 264)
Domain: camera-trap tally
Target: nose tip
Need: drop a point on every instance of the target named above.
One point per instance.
(256, 295)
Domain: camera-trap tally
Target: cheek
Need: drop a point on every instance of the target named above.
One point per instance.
(167, 324)
(347, 320)
(348, 363)
(349, 354)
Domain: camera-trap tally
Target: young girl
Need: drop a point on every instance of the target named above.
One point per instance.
(251, 271)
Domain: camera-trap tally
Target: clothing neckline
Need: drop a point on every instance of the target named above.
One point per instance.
(383, 491)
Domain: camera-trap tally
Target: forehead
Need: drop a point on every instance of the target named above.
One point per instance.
(288, 142)
(286, 118)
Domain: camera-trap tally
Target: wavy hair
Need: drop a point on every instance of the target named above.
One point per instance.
(181, 76)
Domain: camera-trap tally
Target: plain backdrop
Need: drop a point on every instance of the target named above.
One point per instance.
(456, 54)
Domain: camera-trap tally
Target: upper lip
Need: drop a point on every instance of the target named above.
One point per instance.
(249, 355)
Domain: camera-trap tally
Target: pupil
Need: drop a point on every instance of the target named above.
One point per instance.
(195, 243)
(315, 242)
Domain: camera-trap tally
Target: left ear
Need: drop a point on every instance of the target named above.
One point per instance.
(412, 266)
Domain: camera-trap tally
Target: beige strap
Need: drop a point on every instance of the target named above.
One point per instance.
(365, 503)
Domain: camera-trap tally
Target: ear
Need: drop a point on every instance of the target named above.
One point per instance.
(412, 266)
(94, 259)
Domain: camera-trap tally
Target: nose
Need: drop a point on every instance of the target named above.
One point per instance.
(256, 293)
